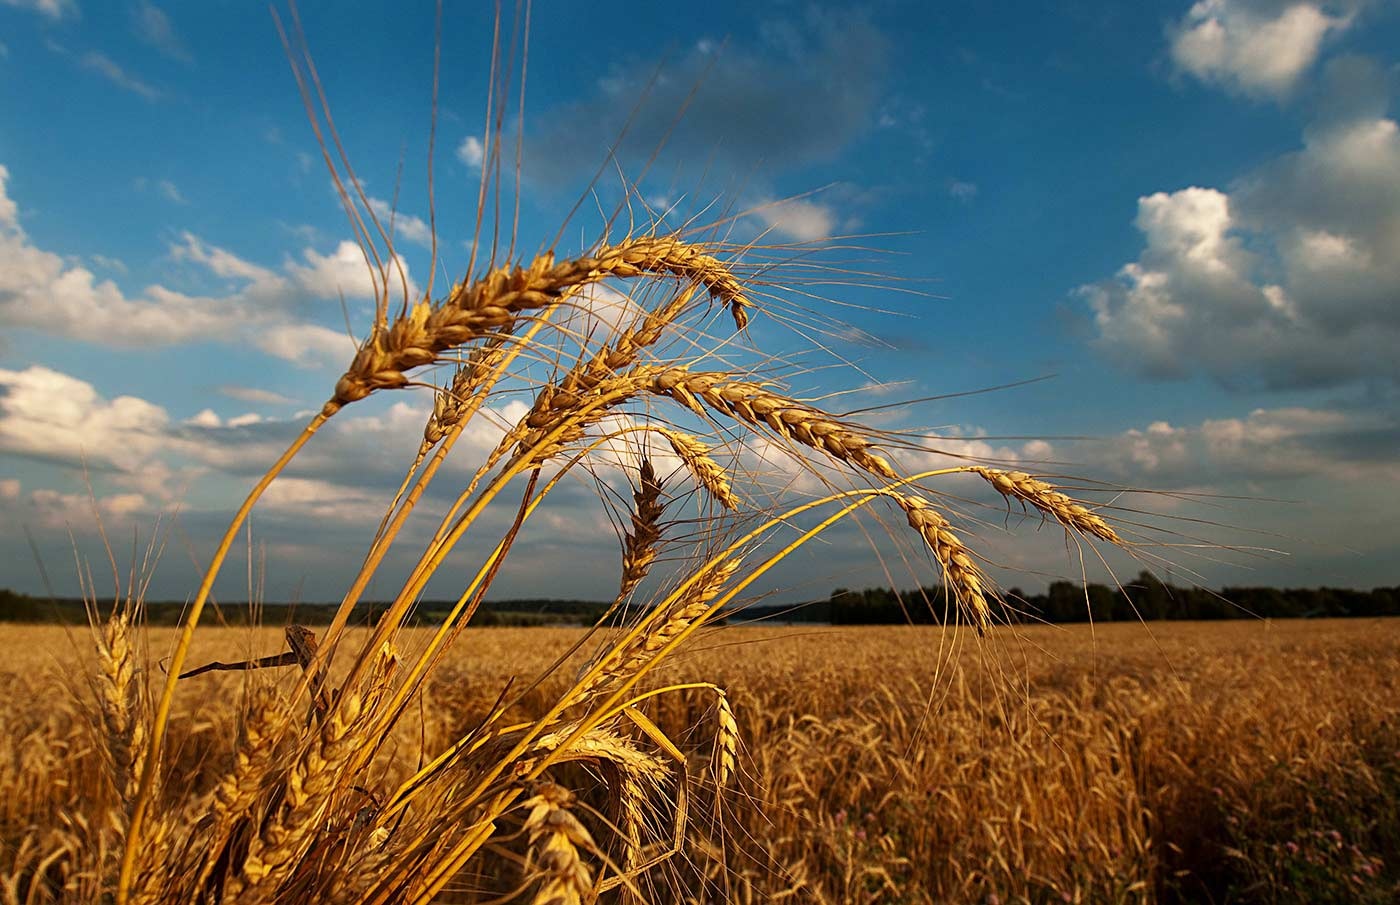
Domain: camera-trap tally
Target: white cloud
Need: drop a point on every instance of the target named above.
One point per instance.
(53, 510)
(206, 418)
(153, 26)
(405, 226)
(963, 191)
(9, 211)
(805, 221)
(142, 460)
(470, 151)
(171, 191)
(40, 290)
(1232, 454)
(310, 499)
(50, 415)
(345, 272)
(218, 261)
(108, 69)
(600, 310)
(1257, 49)
(53, 9)
(307, 344)
(253, 394)
(1289, 279)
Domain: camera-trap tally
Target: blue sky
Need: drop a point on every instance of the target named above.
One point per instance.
(1186, 215)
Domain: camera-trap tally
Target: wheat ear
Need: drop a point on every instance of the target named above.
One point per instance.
(639, 546)
(726, 741)
(960, 570)
(556, 836)
(757, 405)
(492, 303)
(702, 466)
(1044, 497)
(123, 715)
(661, 627)
(238, 791)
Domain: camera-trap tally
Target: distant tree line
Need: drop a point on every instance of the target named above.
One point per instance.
(16, 607)
(1146, 597)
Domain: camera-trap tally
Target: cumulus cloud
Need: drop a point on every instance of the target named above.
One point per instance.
(142, 461)
(471, 152)
(54, 511)
(9, 211)
(52, 416)
(43, 291)
(313, 499)
(343, 272)
(805, 221)
(306, 344)
(1256, 47)
(405, 226)
(1266, 446)
(1289, 279)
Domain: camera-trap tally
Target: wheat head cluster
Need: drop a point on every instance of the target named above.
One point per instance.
(325, 788)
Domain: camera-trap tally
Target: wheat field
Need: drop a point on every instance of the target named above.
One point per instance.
(660, 755)
(1243, 761)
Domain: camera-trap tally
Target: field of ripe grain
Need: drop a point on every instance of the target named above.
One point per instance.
(1202, 762)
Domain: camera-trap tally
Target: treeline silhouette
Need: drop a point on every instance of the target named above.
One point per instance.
(17, 607)
(1146, 597)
